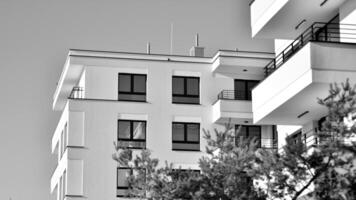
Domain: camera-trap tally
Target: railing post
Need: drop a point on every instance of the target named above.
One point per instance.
(282, 56)
(301, 40)
(312, 32)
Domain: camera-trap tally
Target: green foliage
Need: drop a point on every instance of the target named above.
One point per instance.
(241, 171)
(326, 171)
(228, 169)
(227, 172)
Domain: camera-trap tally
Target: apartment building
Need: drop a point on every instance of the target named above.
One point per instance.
(314, 46)
(158, 102)
(162, 102)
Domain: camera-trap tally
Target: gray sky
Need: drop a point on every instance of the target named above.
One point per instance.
(35, 37)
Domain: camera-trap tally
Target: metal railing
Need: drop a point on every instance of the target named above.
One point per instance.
(269, 143)
(77, 93)
(234, 95)
(318, 31)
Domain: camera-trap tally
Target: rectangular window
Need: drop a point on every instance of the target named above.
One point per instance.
(295, 138)
(122, 183)
(132, 134)
(185, 90)
(176, 174)
(64, 187)
(248, 132)
(63, 142)
(132, 87)
(186, 136)
(243, 89)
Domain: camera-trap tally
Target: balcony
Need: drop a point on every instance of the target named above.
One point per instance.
(241, 64)
(269, 143)
(323, 54)
(77, 93)
(232, 105)
(286, 19)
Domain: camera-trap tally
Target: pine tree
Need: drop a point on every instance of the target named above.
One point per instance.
(328, 170)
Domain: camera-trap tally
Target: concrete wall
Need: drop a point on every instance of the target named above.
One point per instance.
(262, 11)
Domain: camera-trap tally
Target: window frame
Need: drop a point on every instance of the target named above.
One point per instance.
(185, 141)
(132, 83)
(247, 132)
(248, 93)
(185, 89)
(117, 181)
(124, 187)
(131, 139)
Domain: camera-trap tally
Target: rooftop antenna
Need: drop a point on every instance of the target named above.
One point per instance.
(171, 50)
(148, 48)
(197, 40)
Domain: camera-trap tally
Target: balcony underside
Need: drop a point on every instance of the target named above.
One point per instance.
(289, 95)
(280, 18)
(241, 64)
(233, 111)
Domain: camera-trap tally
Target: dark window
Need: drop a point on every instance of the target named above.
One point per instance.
(132, 134)
(122, 183)
(132, 87)
(123, 186)
(243, 89)
(186, 136)
(185, 90)
(295, 138)
(176, 174)
(249, 133)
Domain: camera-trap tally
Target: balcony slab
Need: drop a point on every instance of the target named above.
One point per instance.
(289, 95)
(286, 19)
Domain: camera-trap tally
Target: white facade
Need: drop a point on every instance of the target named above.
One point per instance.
(89, 122)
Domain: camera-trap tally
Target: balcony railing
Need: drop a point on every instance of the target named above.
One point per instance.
(269, 143)
(77, 93)
(320, 32)
(234, 95)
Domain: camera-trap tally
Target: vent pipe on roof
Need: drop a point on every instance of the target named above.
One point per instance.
(148, 48)
(196, 50)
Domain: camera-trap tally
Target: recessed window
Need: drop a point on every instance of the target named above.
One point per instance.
(132, 134)
(185, 90)
(132, 87)
(243, 89)
(122, 183)
(295, 138)
(123, 186)
(249, 133)
(186, 136)
(176, 174)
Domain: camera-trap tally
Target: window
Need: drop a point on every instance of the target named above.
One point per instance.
(248, 132)
(186, 136)
(243, 89)
(122, 185)
(63, 142)
(64, 182)
(185, 90)
(176, 174)
(295, 138)
(132, 87)
(132, 134)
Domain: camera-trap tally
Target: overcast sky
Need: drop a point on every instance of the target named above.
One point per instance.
(35, 37)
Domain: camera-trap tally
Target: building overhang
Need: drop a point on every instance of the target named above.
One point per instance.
(289, 95)
(232, 111)
(286, 19)
(241, 64)
(69, 78)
